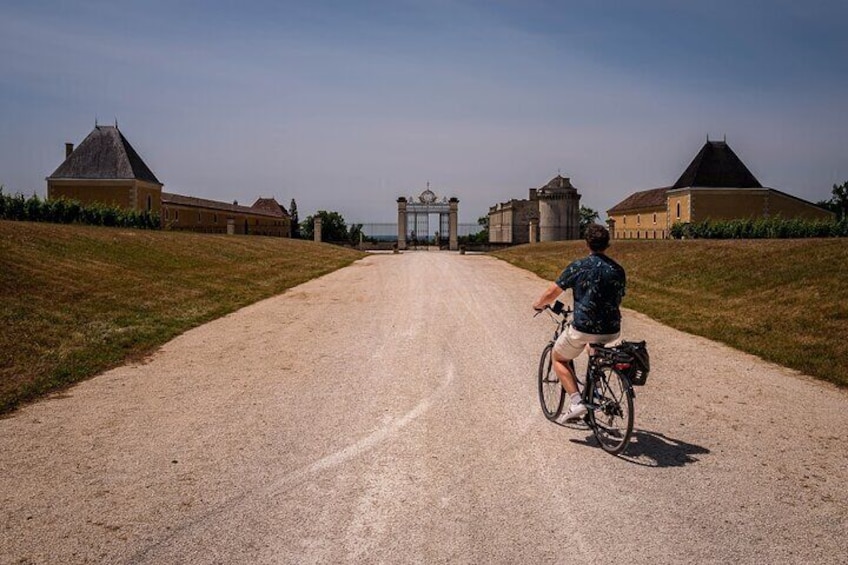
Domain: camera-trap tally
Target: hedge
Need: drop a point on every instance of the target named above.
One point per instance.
(760, 228)
(64, 211)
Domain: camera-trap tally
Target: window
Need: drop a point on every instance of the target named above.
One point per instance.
(176, 215)
(198, 216)
(625, 221)
(678, 210)
(655, 218)
(215, 218)
(149, 203)
(638, 219)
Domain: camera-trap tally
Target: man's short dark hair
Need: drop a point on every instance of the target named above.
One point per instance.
(597, 237)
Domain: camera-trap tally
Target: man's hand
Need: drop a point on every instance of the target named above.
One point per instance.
(551, 293)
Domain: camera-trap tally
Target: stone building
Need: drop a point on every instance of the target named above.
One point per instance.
(551, 213)
(106, 169)
(188, 213)
(715, 186)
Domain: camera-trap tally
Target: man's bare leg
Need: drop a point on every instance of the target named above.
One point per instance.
(562, 367)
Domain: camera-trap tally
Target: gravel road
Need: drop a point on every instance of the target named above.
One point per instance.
(387, 413)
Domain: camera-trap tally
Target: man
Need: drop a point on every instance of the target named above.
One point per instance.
(597, 283)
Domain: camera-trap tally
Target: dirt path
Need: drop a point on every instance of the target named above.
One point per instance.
(388, 413)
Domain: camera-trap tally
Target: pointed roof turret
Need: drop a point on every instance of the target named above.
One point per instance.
(105, 154)
(716, 165)
(558, 181)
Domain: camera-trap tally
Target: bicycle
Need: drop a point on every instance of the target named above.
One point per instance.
(606, 390)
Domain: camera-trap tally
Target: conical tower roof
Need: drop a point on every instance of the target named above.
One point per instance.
(105, 154)
(717, 166)
(558, 182)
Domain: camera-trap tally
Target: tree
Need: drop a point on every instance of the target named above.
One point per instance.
(295, 221)
(587, 216)
(354, 234)
(840, 200)
(481, 237)
(838, 203)
(333, 228)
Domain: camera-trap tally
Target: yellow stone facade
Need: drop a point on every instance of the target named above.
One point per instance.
(181, 217)
(645, 223)
(691, 205)
(129, 194)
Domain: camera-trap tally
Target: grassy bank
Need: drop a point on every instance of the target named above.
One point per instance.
(76, 300)
(783, 300)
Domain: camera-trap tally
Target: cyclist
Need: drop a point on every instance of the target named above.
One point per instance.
(597, 283)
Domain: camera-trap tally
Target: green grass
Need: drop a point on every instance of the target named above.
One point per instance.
(76, 300)
(783, 300)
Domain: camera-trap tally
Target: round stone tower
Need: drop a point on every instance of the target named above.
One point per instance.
(559, 210)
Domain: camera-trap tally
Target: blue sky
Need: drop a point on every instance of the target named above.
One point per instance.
(347, 105)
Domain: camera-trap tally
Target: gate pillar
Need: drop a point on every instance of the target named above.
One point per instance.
(453, 224)
(401, 202)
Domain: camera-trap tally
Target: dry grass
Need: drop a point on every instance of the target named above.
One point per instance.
(75, 300)
(783, 300)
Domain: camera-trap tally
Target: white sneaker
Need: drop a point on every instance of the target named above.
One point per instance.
(575, 411)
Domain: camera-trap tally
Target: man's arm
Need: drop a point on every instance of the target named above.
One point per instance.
(550, 294)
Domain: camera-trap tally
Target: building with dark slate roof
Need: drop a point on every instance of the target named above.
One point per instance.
(715, 186)
(106, 169)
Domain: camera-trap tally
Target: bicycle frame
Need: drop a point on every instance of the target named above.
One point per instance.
(605, 375)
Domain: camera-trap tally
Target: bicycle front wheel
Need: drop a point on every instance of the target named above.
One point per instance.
(611, 411)
(551, 393)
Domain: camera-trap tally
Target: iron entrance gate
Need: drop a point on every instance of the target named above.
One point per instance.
(414, 219)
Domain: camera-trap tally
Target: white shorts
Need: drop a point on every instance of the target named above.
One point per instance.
(571, 342)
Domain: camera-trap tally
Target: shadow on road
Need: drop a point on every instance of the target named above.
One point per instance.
(653, 449)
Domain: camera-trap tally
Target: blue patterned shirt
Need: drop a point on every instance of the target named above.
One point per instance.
(598, 285)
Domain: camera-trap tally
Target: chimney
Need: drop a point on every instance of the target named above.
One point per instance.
(69, 148)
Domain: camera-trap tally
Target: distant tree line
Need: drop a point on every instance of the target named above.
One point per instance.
(760, 228)
(333, 229)
(64, 211)
(478, 238)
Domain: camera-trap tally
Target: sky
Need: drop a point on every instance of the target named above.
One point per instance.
(347, 105)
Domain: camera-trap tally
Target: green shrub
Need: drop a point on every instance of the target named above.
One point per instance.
(760, 228)
(65, 211)
(15, 207)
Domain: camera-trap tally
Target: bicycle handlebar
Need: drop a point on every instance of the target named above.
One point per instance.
(557, 308)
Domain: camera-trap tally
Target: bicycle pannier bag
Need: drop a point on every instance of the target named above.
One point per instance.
(640, 365)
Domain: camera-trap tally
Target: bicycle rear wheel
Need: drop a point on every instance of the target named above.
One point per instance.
(611, 413)
(551, 393)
